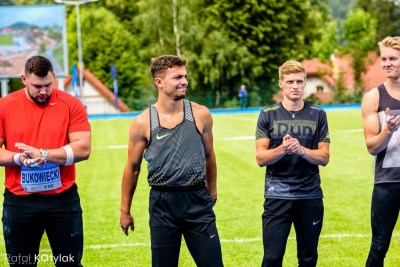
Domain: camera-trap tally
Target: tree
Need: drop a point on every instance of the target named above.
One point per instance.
(6, 3)
(359, 30)
(324, 39)
(105, 42)
(272, 30)
(386, 13)
(32, 2)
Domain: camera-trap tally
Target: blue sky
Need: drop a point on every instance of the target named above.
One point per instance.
(41, 16)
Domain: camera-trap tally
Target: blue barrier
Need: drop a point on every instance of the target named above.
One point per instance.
(129, 115)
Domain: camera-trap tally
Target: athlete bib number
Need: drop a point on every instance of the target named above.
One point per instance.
(41, 179)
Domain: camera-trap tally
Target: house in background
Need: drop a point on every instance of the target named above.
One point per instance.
(322, 78)
(97, 98)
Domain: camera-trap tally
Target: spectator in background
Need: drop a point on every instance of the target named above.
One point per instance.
(243, 96)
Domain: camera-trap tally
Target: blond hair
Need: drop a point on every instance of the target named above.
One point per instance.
(392, 42)
(289, 67)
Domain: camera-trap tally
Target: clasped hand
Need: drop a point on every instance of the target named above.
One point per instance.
(392, 122)
(291, 145)
(32, 156)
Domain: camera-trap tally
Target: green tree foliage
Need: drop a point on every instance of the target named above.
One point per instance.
(386, 13)
(31, 2)
(105, 42)
(124, 10)
(325, 37)
(6, 3)
(226, 43)
(359, 30)
(339, 9)
(267, 33)
(270, 29)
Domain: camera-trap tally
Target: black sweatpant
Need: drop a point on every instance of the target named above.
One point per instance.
(25, 218)
(306, 216)
(188, 213)
(385, 206)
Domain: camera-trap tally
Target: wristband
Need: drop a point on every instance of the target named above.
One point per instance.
(70, 155)
(16, 159)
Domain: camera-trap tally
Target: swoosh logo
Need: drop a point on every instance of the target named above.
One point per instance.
(314, 223)
(52, 104)
(159, 137)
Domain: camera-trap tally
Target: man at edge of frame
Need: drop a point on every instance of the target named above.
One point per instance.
(44, 132)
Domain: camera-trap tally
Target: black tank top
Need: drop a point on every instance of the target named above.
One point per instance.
(176, 157)
(387, 162)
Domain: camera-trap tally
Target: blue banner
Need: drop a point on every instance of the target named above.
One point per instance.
(114, 74)
(75, 81)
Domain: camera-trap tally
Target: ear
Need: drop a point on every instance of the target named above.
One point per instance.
(23, 79)
(280, 83)
(158, 82)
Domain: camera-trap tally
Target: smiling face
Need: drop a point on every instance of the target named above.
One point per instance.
(173, 83)
(293, 85)
(390, 62)
(39, 88)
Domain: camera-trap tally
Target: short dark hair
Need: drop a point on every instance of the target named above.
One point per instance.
(38, 65)
(160, 64)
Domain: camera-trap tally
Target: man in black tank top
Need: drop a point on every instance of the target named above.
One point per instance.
(175, 137)
(381, 119)
(292, 139)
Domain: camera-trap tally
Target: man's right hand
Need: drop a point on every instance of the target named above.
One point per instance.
(126, 222)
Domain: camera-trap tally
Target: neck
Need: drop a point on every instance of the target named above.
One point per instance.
(169, 106)
(393, 84)
(293, 105)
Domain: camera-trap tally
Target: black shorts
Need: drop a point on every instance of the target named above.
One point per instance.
(25, 218)
(188, 213)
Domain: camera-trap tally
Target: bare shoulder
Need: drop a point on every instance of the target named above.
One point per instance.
(141, 123)
(200, 111)
(370, 100)
(373, 93)
(202, 115)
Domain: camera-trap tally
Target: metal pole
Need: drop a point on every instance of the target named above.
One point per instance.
(4, 87)
(78, 29)
(80, 60)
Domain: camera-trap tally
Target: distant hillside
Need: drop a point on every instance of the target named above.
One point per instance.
(21, 26)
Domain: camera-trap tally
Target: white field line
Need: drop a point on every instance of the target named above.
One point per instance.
(236, 240)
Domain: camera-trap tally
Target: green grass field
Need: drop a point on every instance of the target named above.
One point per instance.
(347, 182)
(6, 39)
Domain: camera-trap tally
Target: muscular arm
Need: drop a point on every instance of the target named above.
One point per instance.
(266, 156)
(205, 123)
(136, 145)
(80, 143)
(319, 156)
(6, 156)
(376, 140)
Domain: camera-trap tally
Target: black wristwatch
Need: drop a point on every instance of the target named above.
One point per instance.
(44, 152)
